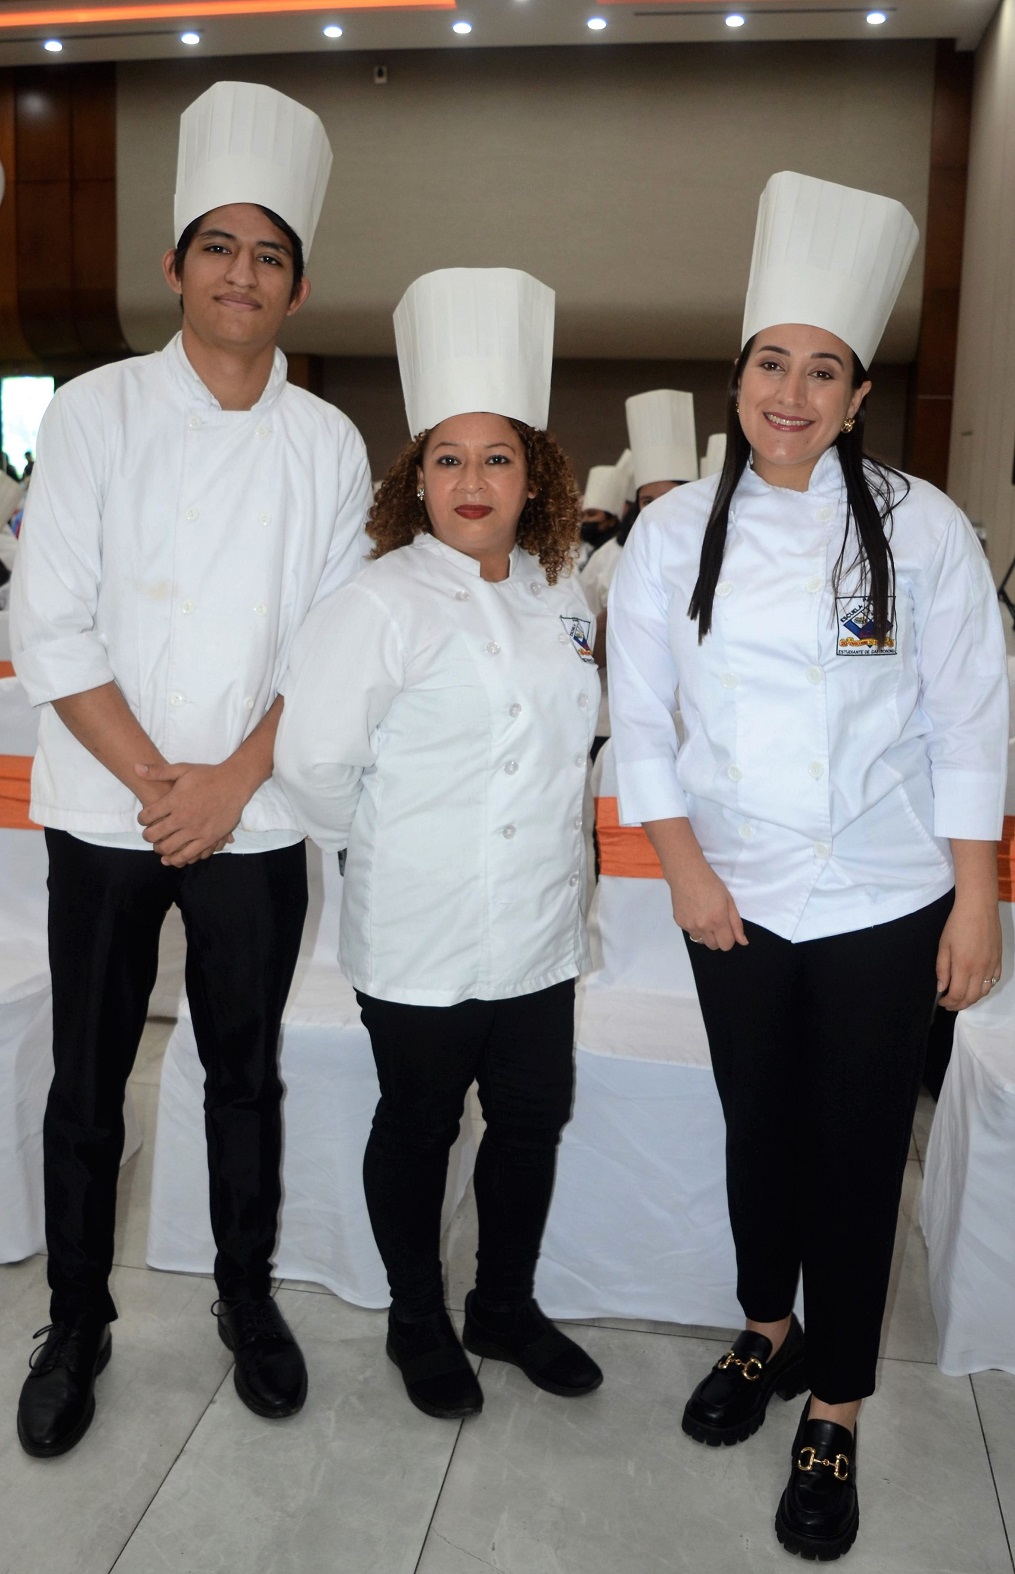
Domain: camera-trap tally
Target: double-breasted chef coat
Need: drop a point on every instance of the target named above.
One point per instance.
(438, 725)
(175, 547)
(822, 777)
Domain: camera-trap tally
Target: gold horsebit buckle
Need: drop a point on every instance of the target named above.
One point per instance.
(839, 1466)
(729, 1359)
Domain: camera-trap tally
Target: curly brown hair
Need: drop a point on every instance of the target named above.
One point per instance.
(549, 526)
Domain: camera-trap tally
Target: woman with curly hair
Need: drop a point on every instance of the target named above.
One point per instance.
(437, 723)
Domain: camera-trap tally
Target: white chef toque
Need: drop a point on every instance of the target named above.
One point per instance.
(241, 142)
(715, 454)
(660, 425)
(475, 339)
(605, 489)
(625, 465)
(829, 256)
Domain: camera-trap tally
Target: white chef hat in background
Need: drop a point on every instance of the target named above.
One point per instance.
(604, 489)
(660, 426)
(715, 453)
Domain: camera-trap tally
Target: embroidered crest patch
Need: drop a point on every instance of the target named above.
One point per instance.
(580, 634)
(855, 637)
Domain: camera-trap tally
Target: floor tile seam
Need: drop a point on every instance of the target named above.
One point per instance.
(440, 1489)
(993, 1476)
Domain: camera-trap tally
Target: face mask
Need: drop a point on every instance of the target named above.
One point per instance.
(594, 534)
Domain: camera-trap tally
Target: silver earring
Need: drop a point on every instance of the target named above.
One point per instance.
(419, 494)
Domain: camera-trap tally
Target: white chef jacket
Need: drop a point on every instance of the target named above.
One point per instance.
(438, 725)
(175, 547)
(596, 579)
(822, 778)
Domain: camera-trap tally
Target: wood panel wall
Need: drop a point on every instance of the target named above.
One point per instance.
(58, 244)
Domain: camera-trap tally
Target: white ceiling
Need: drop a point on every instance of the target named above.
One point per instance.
(498, 23)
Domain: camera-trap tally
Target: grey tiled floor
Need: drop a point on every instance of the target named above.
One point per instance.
(175, 1475)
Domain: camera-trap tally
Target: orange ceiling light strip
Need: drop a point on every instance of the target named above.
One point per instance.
(182, 11)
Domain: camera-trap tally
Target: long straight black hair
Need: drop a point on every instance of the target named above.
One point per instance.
(873, 491)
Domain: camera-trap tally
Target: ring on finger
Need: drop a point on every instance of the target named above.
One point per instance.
(698, 939)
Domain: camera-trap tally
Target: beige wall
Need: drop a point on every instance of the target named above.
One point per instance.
(983, 423)
(627, 178)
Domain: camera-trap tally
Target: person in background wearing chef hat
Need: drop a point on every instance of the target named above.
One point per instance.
(715, 453)
(663, 455)
(186, 511)
(602, 508)
(828, 827)
(437, 723)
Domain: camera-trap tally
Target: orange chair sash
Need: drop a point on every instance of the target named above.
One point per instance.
(624, 850)
(15, 792)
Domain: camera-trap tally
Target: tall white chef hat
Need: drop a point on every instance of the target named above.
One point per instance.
(829, 256)
(605, 489)
(660, 425)
(625, 465)
(473, 339)
(715, 454)
(241, 142)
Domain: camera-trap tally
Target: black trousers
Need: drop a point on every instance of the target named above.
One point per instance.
(818, 1051)
(521, 1053)
(243, 915)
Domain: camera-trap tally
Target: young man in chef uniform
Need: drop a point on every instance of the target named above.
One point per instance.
(187, 510)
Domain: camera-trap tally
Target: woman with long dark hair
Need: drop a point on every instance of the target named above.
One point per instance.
(827, 827)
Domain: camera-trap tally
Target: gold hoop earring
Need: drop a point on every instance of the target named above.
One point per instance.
(847, 426)
(419, 494)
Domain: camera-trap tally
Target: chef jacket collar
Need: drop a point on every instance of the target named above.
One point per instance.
(826, 477)
(184, 378)
(469, 565)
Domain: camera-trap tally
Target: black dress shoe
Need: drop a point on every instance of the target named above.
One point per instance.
(728, 1406)
(819, 1515)
(524, 1336)
(58, 1397)
(434, 1367)
(270, 1373)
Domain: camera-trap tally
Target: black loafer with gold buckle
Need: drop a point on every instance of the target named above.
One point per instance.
(819, 1515)
(728, 1405)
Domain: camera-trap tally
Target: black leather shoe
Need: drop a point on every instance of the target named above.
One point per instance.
(270, 1373)
(527, 1338)
(728, 1406)
(434, 1367)
(58, 1397)
(819, 1515)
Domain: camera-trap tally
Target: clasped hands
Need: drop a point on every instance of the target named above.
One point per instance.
(190, 811)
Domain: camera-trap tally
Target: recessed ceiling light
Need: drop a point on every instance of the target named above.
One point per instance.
(333, 31)
(735, 19)
(190, 38)
(461, 27)
(875, 18)
(597, 23)
(53, 45)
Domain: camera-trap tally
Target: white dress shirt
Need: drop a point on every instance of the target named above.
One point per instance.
(596, 579)
(438, 725)
(822, 778)
(175, 547)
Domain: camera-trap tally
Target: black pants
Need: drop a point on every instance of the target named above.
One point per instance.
(243, 915)
(521, 1052)
(818, 1050)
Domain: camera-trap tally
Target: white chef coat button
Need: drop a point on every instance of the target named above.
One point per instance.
(816, 769)
(825, 514)
(509, 831)
(577, 822)
(563, 638)
(260, 609)
(248, 703)
(511, 767)
(815, 675)
(580, 759)
(747, 831)
(192, 513)
(583, 701)
(515, 709)
(176, 699)
(535, 587)
(734, 773)
(729, 680)
(188, 606)
(461, 595)
(573, 880)
(814, 583)
(194, 422)
(262, 431)
(264, 519)
(724, 587)
(821, 850)
(493, 649)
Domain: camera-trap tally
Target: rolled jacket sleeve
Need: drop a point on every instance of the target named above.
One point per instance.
(643, 684)
(963, 687)
(54, 644)
(345, 669)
